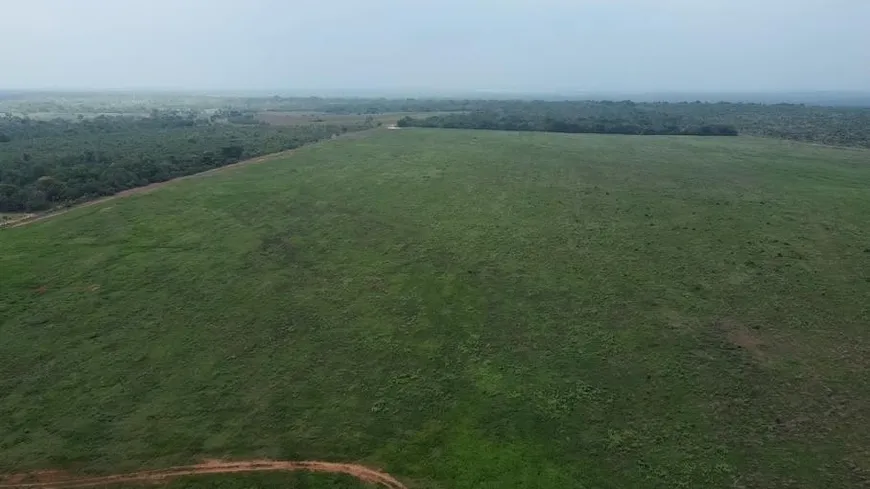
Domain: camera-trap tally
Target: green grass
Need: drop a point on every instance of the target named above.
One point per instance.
(461, 309)
(295, 480)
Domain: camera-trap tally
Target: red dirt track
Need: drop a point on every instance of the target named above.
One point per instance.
(60, 480)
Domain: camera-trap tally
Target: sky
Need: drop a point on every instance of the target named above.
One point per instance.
(541, 46)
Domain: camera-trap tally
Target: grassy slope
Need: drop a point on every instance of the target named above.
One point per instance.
(463, 309)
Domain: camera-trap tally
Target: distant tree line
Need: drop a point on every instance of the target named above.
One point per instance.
(44, 164)
(841, 126)
(580, 124)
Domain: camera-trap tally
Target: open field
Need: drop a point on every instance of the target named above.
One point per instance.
(460, 309)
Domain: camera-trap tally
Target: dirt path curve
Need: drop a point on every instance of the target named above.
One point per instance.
(60, 480)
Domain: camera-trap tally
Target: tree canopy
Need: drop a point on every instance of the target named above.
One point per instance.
(49, 163)
(844, 126)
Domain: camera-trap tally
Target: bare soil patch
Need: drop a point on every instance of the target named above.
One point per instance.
(743, 337)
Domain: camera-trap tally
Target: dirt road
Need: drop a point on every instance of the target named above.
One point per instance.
(154, 186)
(144, 190)
(61, 480)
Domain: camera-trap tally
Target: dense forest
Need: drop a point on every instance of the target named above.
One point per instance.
(834, 125)
(48, 163)
(550, 121)
(844, 126)
(838, 126)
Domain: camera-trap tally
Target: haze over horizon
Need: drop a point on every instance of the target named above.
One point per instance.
(450, 45)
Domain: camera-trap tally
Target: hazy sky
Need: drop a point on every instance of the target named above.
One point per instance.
(443, 45)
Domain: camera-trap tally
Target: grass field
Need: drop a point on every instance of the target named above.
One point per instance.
(300, 480)
(461, 310)
(267, 481)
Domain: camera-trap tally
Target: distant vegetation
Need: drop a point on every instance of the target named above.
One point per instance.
(47, 163)
(841, 126)
(554, 119)
(64, 148)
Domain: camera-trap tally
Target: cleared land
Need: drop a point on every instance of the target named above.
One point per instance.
(462, 310)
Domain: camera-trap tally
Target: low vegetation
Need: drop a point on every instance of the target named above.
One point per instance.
(461, 309)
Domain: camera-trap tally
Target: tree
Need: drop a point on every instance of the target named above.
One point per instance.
(68, 160)
(11, 199)
(232, 153)
(35, 201)
(50, 187)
